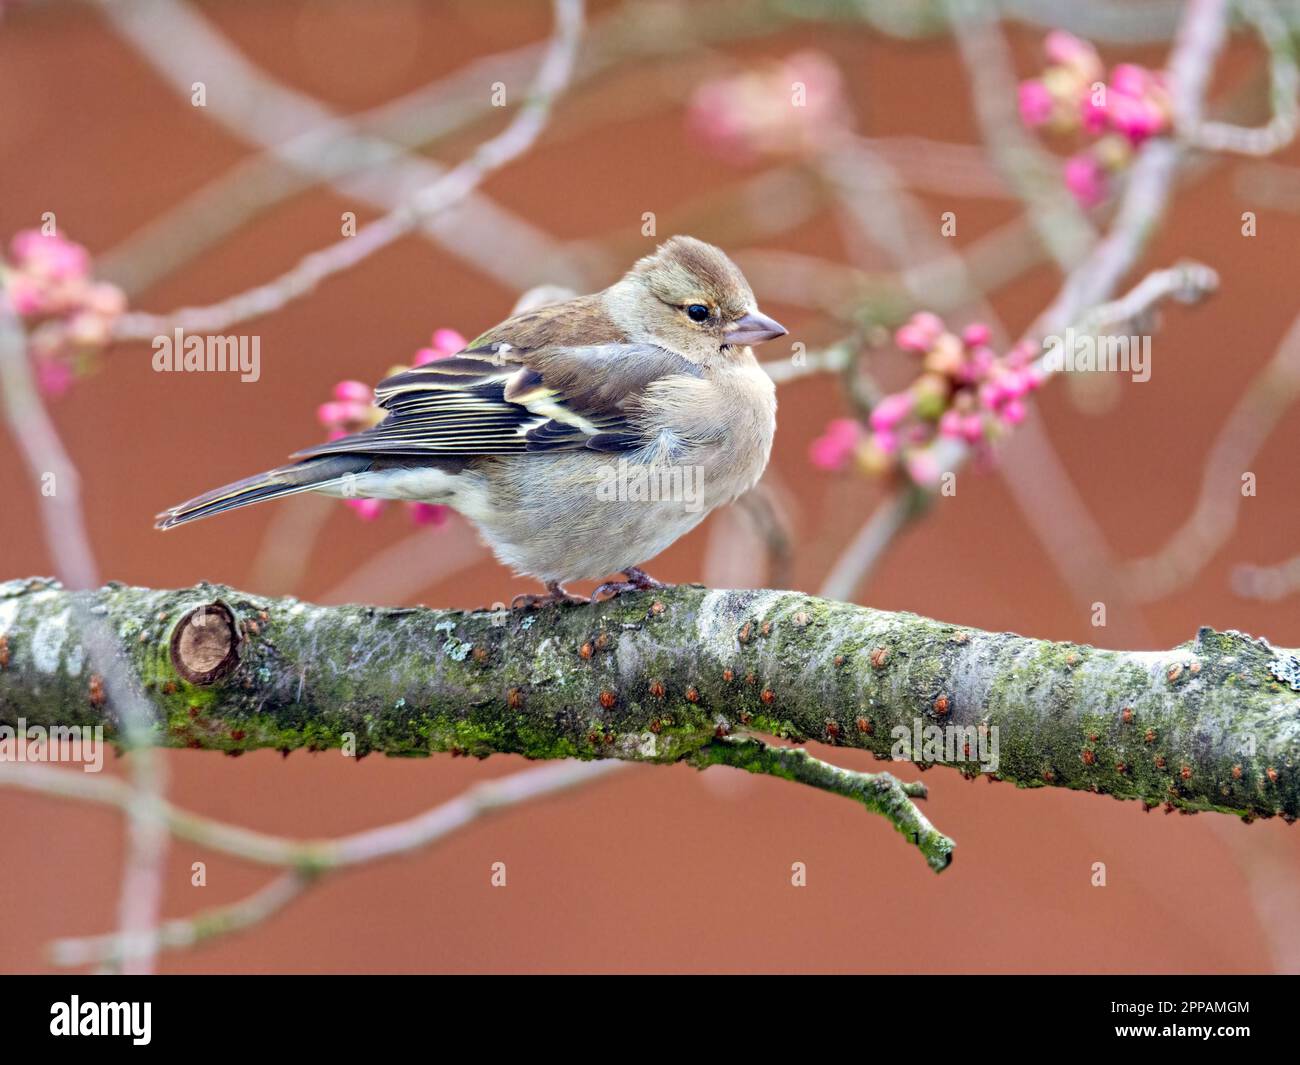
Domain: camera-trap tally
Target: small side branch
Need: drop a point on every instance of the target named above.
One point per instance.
(881, 793)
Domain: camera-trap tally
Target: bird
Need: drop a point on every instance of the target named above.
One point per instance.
(581, 438)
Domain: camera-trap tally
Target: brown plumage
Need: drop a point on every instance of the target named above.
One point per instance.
(536, 429)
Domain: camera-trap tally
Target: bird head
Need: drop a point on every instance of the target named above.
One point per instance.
(690, 298)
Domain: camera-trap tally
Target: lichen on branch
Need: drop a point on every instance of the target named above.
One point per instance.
(683, 674)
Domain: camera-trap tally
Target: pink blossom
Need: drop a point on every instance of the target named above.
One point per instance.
(1067, 50)
(891, 410)
(923, 468)
(1036, 103)
(1013, 413)
(743, 117)
(1086, 179)
(884, 441)
(348, 415)
(445, 342)
(950, 424)
(429, 514)
(1092, 113)
(352, 392)
(53, 377)
(448, 341)
(976, 335)
(69, 316)
(26, 295)
(832, 449)
(49, 256)
(1129, 79)
(1136, 117)
(919, 332)
(365, 509)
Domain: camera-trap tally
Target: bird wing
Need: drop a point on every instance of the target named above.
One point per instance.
(558, 378)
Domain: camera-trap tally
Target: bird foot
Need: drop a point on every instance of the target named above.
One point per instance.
(555, 593)
(638, 580)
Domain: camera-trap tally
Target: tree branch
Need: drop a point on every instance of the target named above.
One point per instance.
(676, 675)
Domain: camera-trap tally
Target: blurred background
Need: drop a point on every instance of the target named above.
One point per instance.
(656, 868)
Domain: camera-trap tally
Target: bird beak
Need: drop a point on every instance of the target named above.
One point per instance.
(753, 329)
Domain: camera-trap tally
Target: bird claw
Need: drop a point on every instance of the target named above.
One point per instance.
(554, 594)
(638, 580)
(641, 580)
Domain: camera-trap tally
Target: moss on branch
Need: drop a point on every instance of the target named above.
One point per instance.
(664, 676)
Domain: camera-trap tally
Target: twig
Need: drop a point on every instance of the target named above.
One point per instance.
(1060, 223)
(307, 861)
(1214, 516)
(1284, 81)
(69, 543)
(53, 474)
(450, 189)
(881, 793)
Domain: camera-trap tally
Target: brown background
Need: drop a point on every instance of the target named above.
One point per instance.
(662, 869)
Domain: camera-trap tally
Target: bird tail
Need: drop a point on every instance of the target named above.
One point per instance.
(310, 476)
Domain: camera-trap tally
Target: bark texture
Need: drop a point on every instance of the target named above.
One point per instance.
(682, 674)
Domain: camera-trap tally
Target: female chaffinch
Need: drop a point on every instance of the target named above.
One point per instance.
(582, 438)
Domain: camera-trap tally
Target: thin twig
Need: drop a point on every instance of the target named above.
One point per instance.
(1284, 81)
(450, 189)
(307, 861)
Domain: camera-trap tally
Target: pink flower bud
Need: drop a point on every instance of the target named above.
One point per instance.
(884, 442)
(1013, 413)
(1091, 114)
(1014, 384)
(950, 425)
(1137, 118)
(982, 359)
(428, 514)
(1022, 353)
(448, 341)
(106, 299)
(53, 377)
(832, 449)
(1036, 104)
(976, 335)
(891, 410)
(972, 428)
(50, 256)
(26, 295)
(352, 392)
(928, 321)
(365, 509)
(923, 469)
(1086, 179)
(1129, 79)
(909, 338)
(1068, 50)
(332, 414)
(88, 330)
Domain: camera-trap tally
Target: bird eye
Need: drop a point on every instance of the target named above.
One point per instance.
(697, 312)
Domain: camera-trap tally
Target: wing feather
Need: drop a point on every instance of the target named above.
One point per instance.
(559, 378)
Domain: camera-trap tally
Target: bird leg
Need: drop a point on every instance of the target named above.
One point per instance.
(555, 593)
(638, 580)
